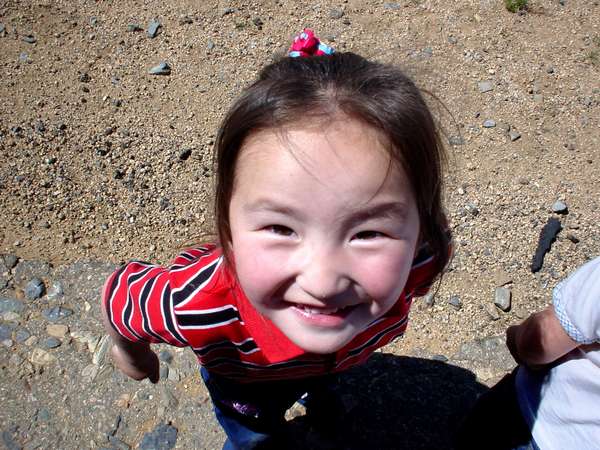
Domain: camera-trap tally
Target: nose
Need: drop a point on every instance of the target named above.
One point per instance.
(324, 273)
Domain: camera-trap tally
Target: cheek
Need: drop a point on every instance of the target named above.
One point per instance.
(385, 278)
(256, 270)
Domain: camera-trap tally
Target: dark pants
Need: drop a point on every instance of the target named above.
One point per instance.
(496, 422)
(252, 414)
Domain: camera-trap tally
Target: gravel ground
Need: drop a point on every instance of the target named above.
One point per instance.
(102, 161)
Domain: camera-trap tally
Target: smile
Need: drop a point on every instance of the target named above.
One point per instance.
(309, 311)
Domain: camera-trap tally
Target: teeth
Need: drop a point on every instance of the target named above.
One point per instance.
(309, 310)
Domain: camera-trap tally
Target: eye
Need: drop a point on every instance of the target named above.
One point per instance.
(280, 230)
(367, 235)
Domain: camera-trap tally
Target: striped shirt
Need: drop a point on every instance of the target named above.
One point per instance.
(197, 302)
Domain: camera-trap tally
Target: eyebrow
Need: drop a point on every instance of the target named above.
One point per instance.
(385, 210)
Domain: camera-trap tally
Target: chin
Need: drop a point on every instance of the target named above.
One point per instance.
(320, 346)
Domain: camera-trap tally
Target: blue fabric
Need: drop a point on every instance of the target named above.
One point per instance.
(252, 414)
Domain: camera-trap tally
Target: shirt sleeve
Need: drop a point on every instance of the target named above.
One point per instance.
(139, 304)
(577, 303)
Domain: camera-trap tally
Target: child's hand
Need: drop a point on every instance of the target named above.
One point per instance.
(137, 365)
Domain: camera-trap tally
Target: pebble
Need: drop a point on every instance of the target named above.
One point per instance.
(485, 86)
(456, 140)
(153, 27)
(56, 291)
(185, 20)
(502, 298)
(2, 28)
(118, 443)
(163, 437)
(10, 261)
(210, 45)
(452, 40)
(492, 311)
(258, 22)
(52, 342)
(6, 331)
(455, 302)
(489, 123)
(185, 154)
(336, 13)
(22, 335)
(161, 68)
(574, 239)
(56, 313)
(227, 11)
(163, 372)
(165, 356)
(101, 349)
(57, 331)
(24, 58)
(514, 135)
(560, 207)
(11, 305)
(9, 442)
(43, 414)
(133, 27)
(391, 5)
(34, 289)
(41, 357)
(29, 38)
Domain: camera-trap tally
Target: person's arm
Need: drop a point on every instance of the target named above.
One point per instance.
(539, 340)
(134, 359)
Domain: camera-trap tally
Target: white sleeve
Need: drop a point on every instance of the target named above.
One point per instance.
(577, 303)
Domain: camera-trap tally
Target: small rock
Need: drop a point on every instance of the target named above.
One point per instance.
(89, 372)
(489, 123)
(574, 239)
(6, 331)
(41, 357)
(57, 331)
(56, 313)
(514, 135)
(185, 20)
(34, 289)
(485, 86)
(560, 207)
(227, 11)
(455, 302)
(24, 58)
(452, 40)
(441, 358)
(492, 311)
(165, 356)
(392, 6)
(210, 45)
(2, 28)
(84, 77)
(11, 305)
(456, 140)
(163, 437)
(101, 349)
(22, 335)
(163, 372)
(29, 38)
(56, 291)
(43, 415)
(336, 13)
(152, 29)
(52, 342)
(9, 442)
(185, 154)
(502, 298)
(10, 261)
(161, 68)
(118, 444)
(258, 22)
(133, 27)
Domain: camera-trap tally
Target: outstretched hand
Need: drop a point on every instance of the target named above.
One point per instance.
(138, 365)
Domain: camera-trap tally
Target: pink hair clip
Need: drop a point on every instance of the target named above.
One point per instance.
(307, 44)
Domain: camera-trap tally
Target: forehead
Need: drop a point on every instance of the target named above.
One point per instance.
(343, 156)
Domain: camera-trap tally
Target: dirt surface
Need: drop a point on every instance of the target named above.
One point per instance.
(102, 161)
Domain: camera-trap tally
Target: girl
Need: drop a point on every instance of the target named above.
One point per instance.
(329, 215)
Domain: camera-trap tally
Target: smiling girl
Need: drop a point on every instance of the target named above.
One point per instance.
(329, 215)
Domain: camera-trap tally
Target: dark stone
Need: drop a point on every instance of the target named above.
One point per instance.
(161, 68)
(336, 13)
(258, 22)
(163, 437)
(84, 77)
(6, 330)
(10, 261)
(133, 27)
(29, 38)
(9, 442)
(52, 342)
(456, 140)
(22, 335)
(455, 302)
(35, 289)
(166, 356)
(153, 27)
(547, 237)
(185, 154)
(118, 443)
(11, 305)
(56, 313)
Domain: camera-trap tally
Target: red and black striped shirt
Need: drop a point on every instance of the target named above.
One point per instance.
(197, 302)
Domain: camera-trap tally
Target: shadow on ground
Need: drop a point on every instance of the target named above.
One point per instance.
(397, 402)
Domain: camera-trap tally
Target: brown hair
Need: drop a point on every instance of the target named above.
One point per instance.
(378, 94)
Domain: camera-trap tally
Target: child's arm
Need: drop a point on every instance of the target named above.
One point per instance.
(134, 359)
(539, 340)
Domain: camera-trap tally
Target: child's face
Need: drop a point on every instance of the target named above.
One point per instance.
(323, 230)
